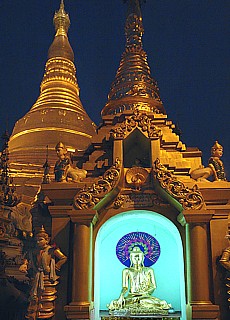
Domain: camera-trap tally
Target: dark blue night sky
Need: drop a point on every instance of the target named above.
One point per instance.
(188, 48)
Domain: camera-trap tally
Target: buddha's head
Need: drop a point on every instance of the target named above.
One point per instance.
(136, 257)
(217, 150)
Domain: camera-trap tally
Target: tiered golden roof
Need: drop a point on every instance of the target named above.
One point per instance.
(134, 101)
(133, 87)
(58, 113)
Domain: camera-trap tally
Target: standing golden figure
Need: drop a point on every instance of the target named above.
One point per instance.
(138, 284)
(41, 266)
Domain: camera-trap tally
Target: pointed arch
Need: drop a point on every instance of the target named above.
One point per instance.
(169, 269)
(136, 150)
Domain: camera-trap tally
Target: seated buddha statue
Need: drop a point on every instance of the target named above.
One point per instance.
(138, 284)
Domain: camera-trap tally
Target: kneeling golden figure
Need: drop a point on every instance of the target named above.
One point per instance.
(138, 284)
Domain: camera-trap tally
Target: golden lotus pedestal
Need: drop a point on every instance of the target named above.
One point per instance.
(106, 316)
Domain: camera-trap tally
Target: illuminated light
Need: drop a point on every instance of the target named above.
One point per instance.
(41, 105)
(50, 129)
(108, 269)
(24, 164)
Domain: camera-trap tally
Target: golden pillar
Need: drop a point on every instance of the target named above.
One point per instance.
(79, 308)
(200, 266)
(81, 256)
(60, 235)
(118, 150)
(155, 150)
(200, 289)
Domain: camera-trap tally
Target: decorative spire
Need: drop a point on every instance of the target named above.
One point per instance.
(4, 166)
(8, 195)
(60, 46)
(46, 166)
(134, 28)
(59, 66)
(133, 87)
(61, 20)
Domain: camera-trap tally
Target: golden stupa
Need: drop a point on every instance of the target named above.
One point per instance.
(133, 87)
(58, 114)
(135, 92)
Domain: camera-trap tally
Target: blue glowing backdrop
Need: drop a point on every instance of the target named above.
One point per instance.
(158, 238)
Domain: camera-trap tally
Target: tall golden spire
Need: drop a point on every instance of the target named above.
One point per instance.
(58, 113)
(133, 87)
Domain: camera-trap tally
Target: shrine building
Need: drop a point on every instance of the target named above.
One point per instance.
(129, 185)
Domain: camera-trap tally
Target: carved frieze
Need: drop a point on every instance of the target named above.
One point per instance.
(159, 317)
(88, 197)
(189, 198)
(138, 120)
(142, 90)
(134, 76)
(137, 200)
(8, 195)
(134, 84)
(141, 106)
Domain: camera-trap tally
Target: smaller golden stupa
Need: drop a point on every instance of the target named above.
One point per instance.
(58, 114)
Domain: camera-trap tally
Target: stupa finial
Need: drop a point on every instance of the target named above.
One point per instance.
(134, 27)
(61, 20)
(62, 4)
(134, 6)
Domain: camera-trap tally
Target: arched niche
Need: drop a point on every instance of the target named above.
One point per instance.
(169, 269)
(136, 150)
